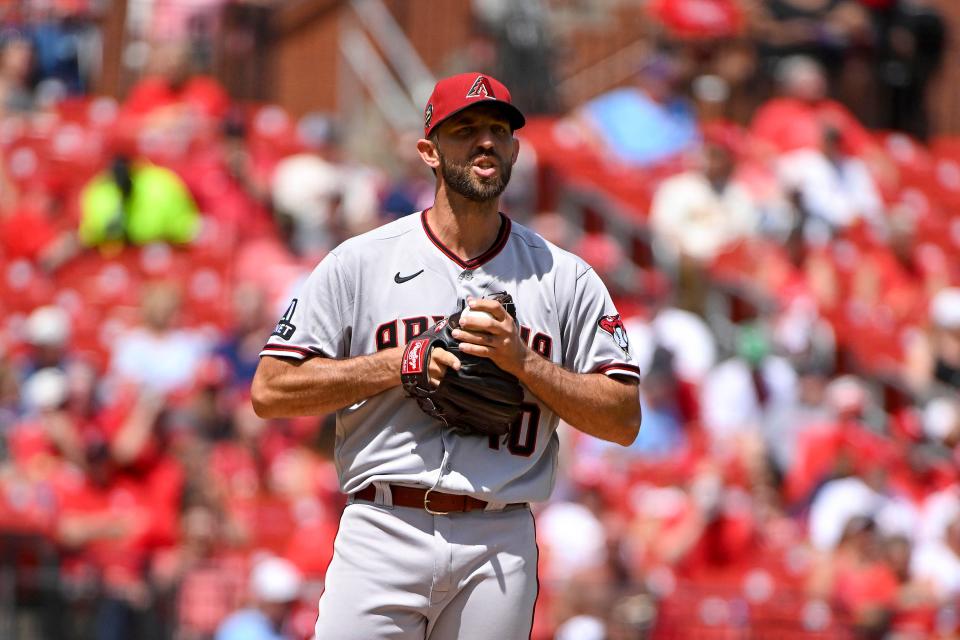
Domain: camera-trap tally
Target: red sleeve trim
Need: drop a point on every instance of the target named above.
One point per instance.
(618, 368)
(286, 350)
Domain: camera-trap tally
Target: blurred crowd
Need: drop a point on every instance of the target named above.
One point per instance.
(782, 258)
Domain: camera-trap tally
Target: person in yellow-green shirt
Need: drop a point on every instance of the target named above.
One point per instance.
(137, 203)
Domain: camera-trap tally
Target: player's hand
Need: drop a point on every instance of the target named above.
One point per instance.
(440, 361)
(494, 336)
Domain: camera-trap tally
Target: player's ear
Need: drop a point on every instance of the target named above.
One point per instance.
(428, 153)
(516, 151)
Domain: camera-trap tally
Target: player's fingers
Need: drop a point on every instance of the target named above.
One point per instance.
(472, 337)
(476, 350)
(485, 324)
(445, 358)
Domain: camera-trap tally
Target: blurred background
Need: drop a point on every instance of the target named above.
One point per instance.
(770, 190)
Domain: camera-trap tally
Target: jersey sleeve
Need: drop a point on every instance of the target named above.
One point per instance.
(314, 323)
(595, 339)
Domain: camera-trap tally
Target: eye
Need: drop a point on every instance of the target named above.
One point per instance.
(465, 130)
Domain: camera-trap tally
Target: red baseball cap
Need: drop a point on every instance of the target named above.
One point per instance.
(456, 93)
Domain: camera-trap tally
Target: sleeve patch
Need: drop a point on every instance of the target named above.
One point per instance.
(285, 328)
(613, 326)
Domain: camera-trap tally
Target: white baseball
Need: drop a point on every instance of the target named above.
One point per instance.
(475, 313)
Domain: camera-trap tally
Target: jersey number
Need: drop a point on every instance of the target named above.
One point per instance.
(522, 437)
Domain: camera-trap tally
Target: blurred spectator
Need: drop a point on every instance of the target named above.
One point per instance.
(410, 189)
(835, 188)
(582, 627)
(936, 561)
(9, 389)
(830, 449)
(825, 30)
(274, 587)
(737, 392)
(683, 333)
(320, 201)
(697, 213)
(841, 500)
(572, 534)
(118, 512)
(796, 119)
(662, 434)
(242, 343)
(231, 183)
(715, 19)
(934, 359)
(941, 422)
(174, 354)
(524, 51)
(48, 415)
(857, 580)
(912, 42)
(136, 203)
(890, 275)
(785, 421)
(47, 331)
(174, 20)
(632, 618)
(34, 228)
(205, 581)
(16, 65)
(713, 530)
(67, 43)
(171, 96)
(644, 123)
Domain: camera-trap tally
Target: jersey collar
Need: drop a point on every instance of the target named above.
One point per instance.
(501, 241)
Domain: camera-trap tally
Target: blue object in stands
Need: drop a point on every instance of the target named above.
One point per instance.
(247, 624)
(661, 434)
(57, 46)
(639, 130)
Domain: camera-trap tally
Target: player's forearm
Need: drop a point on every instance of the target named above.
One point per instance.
(284, 388)
(593, 403)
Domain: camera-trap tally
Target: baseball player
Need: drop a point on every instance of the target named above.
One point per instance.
(437, 540)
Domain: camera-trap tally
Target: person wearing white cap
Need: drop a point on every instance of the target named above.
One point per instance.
(47, 330)
(934, 359)
(274, 587)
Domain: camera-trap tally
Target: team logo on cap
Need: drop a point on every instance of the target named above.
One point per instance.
(481, 89)
(614, 326)
(428, 115)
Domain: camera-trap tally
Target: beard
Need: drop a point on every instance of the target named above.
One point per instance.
(462, 180)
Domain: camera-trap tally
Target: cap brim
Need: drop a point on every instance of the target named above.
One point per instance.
(514, 115)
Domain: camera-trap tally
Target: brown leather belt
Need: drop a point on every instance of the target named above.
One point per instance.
(434, 502)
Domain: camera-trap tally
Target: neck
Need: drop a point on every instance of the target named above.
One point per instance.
(465, 227)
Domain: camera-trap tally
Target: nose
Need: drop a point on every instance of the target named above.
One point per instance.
(486, 139)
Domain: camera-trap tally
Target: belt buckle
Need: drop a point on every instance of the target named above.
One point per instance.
(426, 504)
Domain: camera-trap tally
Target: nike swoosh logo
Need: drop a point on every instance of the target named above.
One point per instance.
(401, 279)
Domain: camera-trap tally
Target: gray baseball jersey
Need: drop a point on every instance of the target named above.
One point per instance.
(383, 288)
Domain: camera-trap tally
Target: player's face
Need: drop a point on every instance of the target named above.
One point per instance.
(476, 150)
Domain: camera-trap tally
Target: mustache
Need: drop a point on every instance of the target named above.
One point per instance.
(485, 154)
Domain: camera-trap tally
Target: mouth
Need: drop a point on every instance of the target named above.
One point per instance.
(485, 167)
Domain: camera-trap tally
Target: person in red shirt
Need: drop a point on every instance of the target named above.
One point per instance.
(797, 119)
(120, 508)
(201, 577)
(856, 578)
(171, 98)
